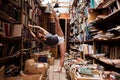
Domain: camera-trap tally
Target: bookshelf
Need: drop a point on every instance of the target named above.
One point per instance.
(109, 46)
(78, 23)
(16, 43)
(10, 41)
(100, 34)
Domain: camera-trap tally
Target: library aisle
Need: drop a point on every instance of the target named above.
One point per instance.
(56, 75)
(35, 34)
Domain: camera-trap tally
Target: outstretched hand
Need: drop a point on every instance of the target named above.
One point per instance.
(29, 25)
(32, 26)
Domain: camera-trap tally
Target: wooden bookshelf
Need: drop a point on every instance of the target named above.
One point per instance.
(101, 19)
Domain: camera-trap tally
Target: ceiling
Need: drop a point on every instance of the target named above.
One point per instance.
(64, 4)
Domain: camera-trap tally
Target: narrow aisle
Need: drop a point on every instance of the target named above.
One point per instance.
(56, 75)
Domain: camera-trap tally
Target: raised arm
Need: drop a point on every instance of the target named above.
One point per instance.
(33, 34)
(44, 31)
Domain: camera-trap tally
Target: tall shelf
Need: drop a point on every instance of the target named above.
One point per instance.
(100, 31)
(78, 24)
(31, 14)
(107, 39)
(10, 41)
(16, 43)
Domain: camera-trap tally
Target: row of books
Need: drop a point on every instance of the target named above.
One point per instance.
(31, 18)
(9, 29)
(88, 49)
(9, 47)
(10, 10)
(5, 28)
(32, 14)
(111, 51)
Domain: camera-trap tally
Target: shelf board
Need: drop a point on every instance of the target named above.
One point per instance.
(109, 61)
(88, 42)
(100, 5)
(108, 41)
(6, 17)
(96, 9)
(14, 3)
(8, 59)
(113, 15)
(110, 2)
(9, 39)
(103, 61)
(110, 18)
(114, 40)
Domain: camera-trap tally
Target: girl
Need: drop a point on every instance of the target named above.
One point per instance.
(50, 39)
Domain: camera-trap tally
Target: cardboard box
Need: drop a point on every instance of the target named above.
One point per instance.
(29, 62)
(37, 68)
(51, 61)
(28, 77)
(37, 57)
(2, 78)
(2, 70)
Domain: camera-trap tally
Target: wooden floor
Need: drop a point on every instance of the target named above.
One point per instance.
(56, 75)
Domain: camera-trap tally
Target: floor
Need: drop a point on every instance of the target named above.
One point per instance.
(56, 75)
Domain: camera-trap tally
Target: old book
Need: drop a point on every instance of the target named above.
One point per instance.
(17, 29)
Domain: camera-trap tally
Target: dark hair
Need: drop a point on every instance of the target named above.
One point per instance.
(40, 37)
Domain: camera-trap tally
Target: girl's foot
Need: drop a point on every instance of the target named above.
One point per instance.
(59, 70)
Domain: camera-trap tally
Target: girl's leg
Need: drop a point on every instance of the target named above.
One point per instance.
(58, 29)
(62, 54)
(61, 45)
(59, 32)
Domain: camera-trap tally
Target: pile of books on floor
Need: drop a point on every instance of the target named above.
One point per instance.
(33, 69)
(78, 69)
